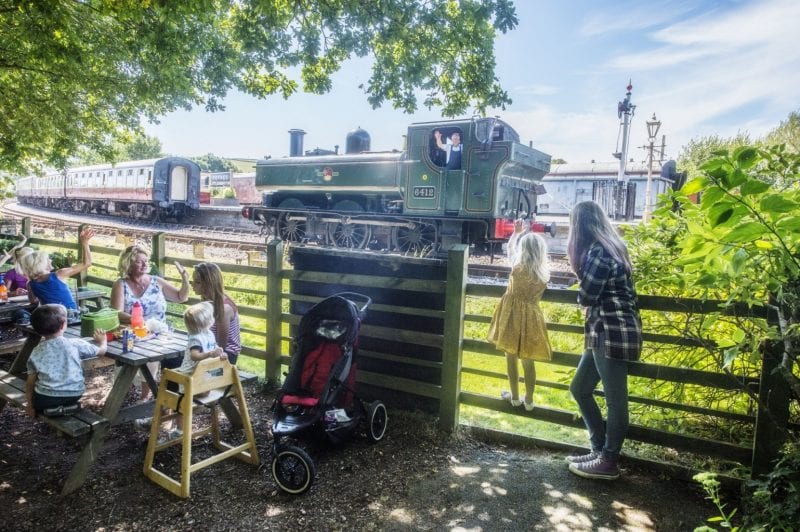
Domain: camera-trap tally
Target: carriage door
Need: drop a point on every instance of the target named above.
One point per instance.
(178, 183)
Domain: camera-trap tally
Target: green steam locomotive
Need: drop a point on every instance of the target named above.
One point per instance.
(458, 181)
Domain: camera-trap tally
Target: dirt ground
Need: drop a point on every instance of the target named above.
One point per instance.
(415, 479)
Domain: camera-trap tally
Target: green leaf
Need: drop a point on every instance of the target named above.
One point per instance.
(766, 245)
(694, 186)
(737, 177)
(745, 232)
(712, 196)
(738, 261)
(746, 157)
(719, 214)
(731, 354)
(753, 186)
(777, 203)
(706, 279)
(789, 223)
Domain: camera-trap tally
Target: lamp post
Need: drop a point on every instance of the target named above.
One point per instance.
(652, 130)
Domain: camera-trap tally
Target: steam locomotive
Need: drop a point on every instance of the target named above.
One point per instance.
(149, 189)
(457, 181)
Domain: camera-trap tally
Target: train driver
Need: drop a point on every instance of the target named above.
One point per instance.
(452, 149)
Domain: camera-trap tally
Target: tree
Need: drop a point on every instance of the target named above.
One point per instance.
(788, 133)
(130, 148)
(214, 163)
(141, 147)
(86, 73)
(700, 150)
(740, 243)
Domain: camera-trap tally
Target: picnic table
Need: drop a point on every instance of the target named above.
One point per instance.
(15, 303)
(150, 349)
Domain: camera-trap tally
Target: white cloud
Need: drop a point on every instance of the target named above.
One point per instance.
(706, 70)
(632, 16)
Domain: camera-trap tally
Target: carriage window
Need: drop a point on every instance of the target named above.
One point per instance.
(445, 147)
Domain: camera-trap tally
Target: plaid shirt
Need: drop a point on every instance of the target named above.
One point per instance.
(608, 291)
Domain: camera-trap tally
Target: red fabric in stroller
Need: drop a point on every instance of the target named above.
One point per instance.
(306, 386)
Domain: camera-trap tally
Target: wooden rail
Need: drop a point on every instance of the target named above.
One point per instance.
(412, 355)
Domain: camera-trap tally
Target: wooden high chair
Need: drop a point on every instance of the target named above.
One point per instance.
(220, 380)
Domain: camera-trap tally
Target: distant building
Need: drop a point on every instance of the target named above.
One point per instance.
(571, 183)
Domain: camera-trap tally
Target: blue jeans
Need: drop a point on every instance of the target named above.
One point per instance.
(594, 366)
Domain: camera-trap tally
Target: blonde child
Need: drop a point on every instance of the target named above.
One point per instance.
(201, 345)
(518, 326)
(46, 286)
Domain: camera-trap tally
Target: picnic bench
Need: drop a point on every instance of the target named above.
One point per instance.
(7, 310)
(12, 390)
(152, 349)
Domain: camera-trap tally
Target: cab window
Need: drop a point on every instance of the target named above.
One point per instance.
(444, 147)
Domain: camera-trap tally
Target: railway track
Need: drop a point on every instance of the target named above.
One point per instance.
(558, 276)
(218, 236)
(228, 237)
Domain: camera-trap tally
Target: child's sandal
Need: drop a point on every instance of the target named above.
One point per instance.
(506, 396)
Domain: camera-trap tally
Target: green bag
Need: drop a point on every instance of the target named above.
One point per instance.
(106, 319)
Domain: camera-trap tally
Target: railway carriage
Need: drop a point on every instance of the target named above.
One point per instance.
(148, 189)
(413, 200)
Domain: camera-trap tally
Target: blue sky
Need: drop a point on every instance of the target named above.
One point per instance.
(704, 68)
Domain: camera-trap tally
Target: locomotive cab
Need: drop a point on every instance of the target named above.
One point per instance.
(497, 178)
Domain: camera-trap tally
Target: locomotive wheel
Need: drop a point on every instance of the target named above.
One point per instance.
(291, 230)
(352, 236)
(421, 238)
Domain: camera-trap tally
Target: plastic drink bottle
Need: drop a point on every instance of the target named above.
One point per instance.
(137, 320)
(3, 290)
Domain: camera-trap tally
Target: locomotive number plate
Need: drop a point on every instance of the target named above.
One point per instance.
(424, 192)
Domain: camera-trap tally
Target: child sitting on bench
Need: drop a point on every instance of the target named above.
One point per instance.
(55, 375)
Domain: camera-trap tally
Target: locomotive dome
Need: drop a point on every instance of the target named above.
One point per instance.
(358, 141)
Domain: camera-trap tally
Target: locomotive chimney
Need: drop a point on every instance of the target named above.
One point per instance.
(296, 142)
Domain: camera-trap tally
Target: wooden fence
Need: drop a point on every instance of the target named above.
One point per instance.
(422, 366)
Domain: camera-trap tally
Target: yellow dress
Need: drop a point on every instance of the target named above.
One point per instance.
(518, 326)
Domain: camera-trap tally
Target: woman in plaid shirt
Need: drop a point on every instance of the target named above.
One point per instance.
(613, 336)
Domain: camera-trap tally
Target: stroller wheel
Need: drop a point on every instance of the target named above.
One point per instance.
(293, 469)
(376, 421)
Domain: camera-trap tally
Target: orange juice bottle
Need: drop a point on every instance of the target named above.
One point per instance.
(3, 290)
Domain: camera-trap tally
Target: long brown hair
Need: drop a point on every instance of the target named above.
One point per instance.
(209, 276)
(588, 224)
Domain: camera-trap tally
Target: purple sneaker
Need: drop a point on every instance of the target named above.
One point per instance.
(581, 458)
(600, 468)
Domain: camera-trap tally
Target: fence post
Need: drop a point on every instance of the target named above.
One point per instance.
(159, 252)
(455, 300)
(26, 226)
(274, 311)
(80, 280)
(773, 409)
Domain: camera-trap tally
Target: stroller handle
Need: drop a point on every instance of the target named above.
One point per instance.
(356, 298)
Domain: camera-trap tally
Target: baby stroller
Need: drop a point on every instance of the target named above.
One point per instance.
(318, 396)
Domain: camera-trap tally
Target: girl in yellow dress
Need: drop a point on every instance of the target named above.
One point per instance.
(518, 326)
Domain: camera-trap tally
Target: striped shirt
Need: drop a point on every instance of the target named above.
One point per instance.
(608, 291)
(234, 344)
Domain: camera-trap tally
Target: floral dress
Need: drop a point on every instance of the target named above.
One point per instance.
(518, 326)
(154, 305)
